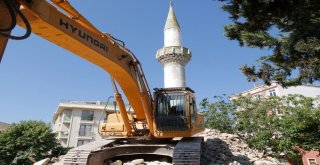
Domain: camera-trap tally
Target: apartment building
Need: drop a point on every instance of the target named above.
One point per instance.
(77, 122)
(275, 89)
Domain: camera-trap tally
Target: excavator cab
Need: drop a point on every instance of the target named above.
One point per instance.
(175, 112)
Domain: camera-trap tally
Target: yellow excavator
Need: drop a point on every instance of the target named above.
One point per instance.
(154, 130)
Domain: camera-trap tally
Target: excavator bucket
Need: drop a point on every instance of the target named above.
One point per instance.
(6, 25)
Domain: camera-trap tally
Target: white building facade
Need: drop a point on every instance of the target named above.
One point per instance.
(77, 122)
(275, 89)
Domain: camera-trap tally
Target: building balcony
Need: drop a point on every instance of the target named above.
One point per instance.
(87, 121)
(176, 54)
(66, 119)
(85, 136)
(63, 134)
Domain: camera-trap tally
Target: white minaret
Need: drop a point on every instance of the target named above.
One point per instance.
(173, 56)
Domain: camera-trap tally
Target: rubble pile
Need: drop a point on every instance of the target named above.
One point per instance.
(222, 148)
(139, 162)
(218, 149)
(52, 161)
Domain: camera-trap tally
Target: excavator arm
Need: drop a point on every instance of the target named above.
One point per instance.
(77, 35)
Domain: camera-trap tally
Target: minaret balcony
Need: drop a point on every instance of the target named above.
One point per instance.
(174, 54)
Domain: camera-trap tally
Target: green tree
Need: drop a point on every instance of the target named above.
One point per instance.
(219, 114)
(28, 140)
(274, 125)
(266, 130)
(290, 28)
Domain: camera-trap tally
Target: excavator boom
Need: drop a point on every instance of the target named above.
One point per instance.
(76, 34)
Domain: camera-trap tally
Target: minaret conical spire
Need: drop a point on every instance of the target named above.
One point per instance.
(172, 21)
(172, 36)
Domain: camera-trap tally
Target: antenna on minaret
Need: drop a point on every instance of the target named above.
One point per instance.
(171, 2)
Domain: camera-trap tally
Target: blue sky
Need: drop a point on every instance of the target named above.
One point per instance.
(36, 74)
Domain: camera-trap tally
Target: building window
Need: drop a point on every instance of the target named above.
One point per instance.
(82, 142)
(87, 115)
(60, 118)
(66, 118)
(258, 97)
(312, 161)
(272, 93)
(85, 130)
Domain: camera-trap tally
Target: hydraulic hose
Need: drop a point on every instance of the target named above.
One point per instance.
(13, 18)
(13, 8)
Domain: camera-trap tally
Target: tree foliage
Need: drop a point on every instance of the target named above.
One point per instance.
(28, 140)
(219, 115)
(274, 125)
(290, 28)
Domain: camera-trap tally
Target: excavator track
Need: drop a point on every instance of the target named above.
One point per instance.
(80, 155)
(188, 151)
(105, 150)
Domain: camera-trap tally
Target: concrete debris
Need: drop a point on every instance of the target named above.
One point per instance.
(135, 162)
(52, 161)
(142, 162)
(118, 162)
(222, 148)
(157, 163)
(42, 162)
